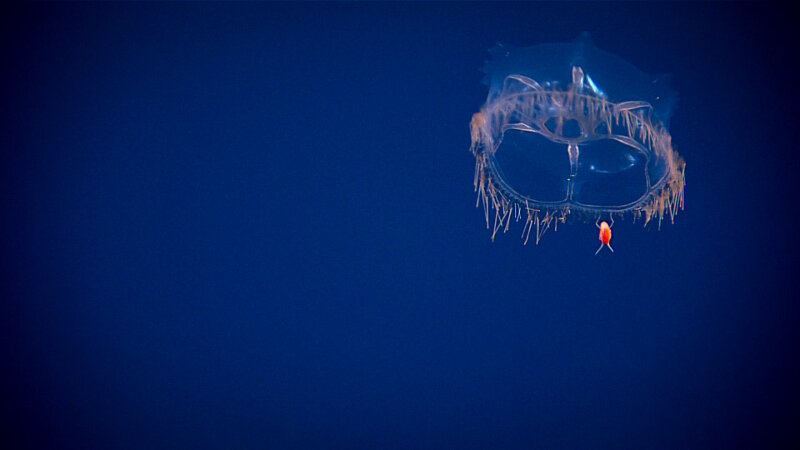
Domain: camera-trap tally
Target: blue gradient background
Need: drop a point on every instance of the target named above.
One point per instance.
(254, 226)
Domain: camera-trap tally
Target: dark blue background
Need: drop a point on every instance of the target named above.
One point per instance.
(254, 226)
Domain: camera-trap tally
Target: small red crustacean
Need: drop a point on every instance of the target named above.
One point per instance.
(605, 235)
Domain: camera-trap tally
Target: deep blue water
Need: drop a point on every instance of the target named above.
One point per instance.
(254, 226)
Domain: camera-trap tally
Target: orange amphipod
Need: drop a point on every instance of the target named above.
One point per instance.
(605, 235)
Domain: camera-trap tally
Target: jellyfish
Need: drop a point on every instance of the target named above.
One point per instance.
(569, 130)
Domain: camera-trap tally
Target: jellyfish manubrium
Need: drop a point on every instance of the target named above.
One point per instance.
(571, 130)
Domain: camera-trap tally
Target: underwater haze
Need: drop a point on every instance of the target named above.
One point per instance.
(254, 225)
